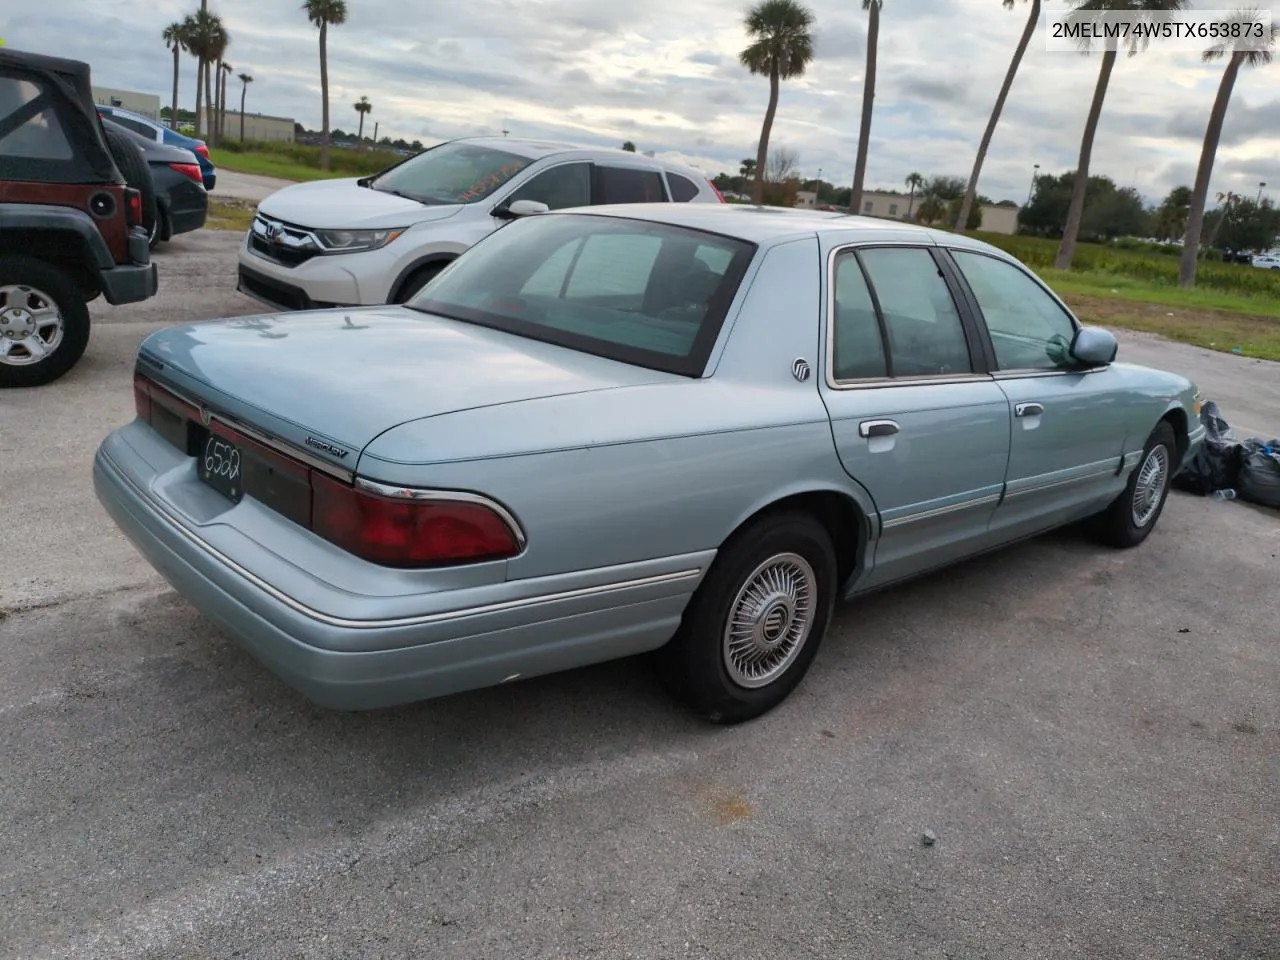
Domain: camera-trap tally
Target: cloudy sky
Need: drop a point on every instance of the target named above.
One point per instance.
(664, 74)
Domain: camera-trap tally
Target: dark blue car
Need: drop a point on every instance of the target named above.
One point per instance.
(154, 130)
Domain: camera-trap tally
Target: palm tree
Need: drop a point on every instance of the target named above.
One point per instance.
(1226, 200)
(193, 32)
(1240, 57)
(781, 48)
(967, 204)
(175, 39)
(748, 167)
(226, 71)
(362, 106)
(245, 80)
(218, 41)
(868, 102)
(1133, 10)
(914, 181)
(322, 13)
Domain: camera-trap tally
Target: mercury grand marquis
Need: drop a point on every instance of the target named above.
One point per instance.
(669, 428)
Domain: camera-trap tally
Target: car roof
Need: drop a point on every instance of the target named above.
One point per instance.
(766, 226)
(537, 149)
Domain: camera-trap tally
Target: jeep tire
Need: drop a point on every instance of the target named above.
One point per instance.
(44, 322)
(133, 166)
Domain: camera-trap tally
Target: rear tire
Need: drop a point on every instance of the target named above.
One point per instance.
(755, 623)
(1132, 516)
(28, 290)
(137, 174)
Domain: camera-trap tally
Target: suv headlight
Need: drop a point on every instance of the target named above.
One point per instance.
(354, 241)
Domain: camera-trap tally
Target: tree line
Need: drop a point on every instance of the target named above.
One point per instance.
(781, 48)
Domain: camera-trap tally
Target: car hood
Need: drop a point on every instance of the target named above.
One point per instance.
(346, 376)
(345, 205)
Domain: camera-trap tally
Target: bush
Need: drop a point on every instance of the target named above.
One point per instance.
(1157, 266)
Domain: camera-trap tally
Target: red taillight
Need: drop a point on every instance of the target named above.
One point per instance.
(406, 531)
(719, 195)
(133, 204)
(189, 170)
(202, 150)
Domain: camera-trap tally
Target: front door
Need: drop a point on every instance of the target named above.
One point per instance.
(915, 417)
(1068, 430)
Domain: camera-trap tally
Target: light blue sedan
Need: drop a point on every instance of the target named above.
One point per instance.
(601, 432)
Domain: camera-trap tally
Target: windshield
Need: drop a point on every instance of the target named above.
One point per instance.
(649, 294)
(455, 172)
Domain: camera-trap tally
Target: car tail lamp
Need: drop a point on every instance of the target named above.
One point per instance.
(189, 170)
(407, 530)
(202, 150)
(133, 204)
(719, 195)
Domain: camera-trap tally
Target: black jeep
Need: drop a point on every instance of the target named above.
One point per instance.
(72, 217)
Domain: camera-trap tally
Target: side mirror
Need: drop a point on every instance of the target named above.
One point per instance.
(521, 208)
(1094, 347)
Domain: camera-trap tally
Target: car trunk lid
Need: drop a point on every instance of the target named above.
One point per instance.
(328, 382)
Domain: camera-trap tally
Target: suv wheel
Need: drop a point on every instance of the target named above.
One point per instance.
(44, 323)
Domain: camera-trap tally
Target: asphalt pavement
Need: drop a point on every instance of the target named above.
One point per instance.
(1092, 736)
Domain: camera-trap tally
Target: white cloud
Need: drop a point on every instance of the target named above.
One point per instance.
(665, 74)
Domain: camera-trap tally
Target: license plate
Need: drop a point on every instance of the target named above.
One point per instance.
(220, 467)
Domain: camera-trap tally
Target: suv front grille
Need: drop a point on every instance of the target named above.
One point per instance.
(283, 243)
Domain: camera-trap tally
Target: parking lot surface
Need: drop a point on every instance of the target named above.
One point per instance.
(1092, 736)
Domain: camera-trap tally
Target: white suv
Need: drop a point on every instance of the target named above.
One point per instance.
(380, 239)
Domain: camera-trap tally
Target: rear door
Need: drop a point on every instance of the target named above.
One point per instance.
(915, 416)
(1068, 427)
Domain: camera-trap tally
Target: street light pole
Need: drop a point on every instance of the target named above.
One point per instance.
(1032, 189)
(1259, 200)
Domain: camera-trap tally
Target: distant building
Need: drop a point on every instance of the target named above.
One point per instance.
(806, 199)
(895, 206)
(257, 126)
(146, 104)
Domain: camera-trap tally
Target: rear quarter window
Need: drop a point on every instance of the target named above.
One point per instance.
(682, 188)
(29, 126)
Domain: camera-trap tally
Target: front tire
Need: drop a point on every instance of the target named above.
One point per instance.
(419, 280)
(1132, 516)
(44, 323)
(755, 623)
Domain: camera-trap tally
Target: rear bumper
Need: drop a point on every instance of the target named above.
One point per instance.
(462, 640)
(129, 284)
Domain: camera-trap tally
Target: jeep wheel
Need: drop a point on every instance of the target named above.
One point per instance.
(133, 167)
(44, 323)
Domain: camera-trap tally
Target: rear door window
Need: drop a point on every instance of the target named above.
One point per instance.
(628, 185)
(131, 124)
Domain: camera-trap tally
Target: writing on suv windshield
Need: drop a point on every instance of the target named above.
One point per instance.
(644, 293)
(452, 173)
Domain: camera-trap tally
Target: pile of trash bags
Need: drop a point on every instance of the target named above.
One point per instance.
(1247, 468)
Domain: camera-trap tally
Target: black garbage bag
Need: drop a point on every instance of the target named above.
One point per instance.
(1216, 465)
(1259, 480)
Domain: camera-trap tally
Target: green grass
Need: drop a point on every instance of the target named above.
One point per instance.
(297, 161)
(229, 214)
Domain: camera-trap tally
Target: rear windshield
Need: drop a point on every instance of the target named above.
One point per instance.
(644, 293)
(456, 172)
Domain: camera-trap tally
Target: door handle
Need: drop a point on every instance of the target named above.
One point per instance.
(877, 428)
(1028, 410)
